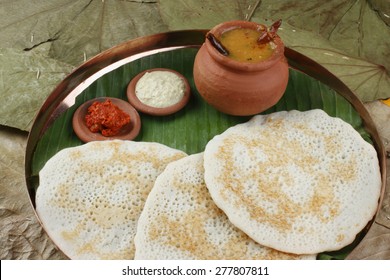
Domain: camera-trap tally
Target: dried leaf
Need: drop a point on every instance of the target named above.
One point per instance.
(347, 37)
(382, 8)
(103, 24)
(361, 28)
(76, 30)
(368, 80)
(381, 115)
(21, 236)
(352, 26)
(193, 14)
(375, 246)
(25, 25)
(26, 79)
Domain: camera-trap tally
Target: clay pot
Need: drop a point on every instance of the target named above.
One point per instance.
(240, 88)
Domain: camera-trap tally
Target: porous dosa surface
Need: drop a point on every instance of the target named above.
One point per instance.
(181, 221)
(90, 197)
(299, 182)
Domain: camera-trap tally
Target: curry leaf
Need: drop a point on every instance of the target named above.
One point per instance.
(26, 79)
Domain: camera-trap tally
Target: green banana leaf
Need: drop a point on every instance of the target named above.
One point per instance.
(191, 128)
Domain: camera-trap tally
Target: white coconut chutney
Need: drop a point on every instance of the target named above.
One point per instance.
(160, 89)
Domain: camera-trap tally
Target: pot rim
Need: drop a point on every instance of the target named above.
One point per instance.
(238, 65)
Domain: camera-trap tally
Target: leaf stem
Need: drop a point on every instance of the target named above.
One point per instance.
(249, 17)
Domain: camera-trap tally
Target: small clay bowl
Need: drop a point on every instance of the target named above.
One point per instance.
(154, 111)
(128, 132)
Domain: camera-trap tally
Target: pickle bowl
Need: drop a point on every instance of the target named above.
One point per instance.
(127, 132)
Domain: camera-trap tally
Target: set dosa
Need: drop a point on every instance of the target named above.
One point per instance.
(90, 197)
(181, 221)
(298, 182)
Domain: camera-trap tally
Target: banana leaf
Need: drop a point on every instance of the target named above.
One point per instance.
(191, 128)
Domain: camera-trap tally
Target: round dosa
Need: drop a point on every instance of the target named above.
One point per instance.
(181, 221)
(90, 197)
(299, 182)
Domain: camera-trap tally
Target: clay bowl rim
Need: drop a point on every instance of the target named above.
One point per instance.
(239, 65)
(154, 111)
(128, 132)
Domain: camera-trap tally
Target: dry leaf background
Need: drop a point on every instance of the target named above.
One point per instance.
(40, 44)
(21, 236)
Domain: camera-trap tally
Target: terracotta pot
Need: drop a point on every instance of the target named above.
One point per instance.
(240, 88)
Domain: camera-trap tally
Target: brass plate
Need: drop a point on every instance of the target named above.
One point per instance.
(63, 96)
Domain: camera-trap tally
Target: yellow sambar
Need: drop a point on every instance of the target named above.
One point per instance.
(243, 46)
